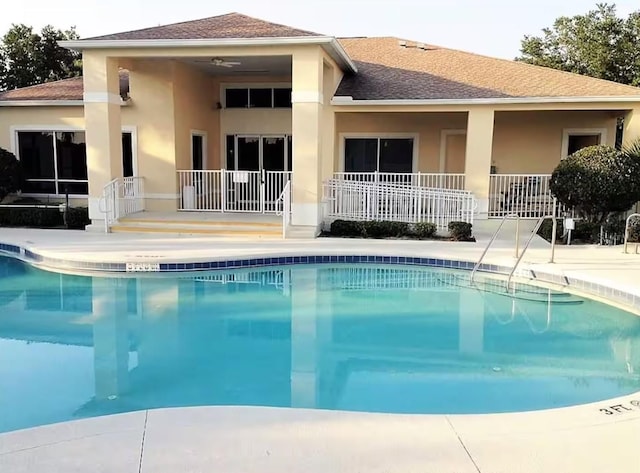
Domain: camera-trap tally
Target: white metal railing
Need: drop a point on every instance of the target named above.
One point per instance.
(417, 179)
(121, 197)
(284, 208)
(528, 195)
(231, 191)
(357, 200)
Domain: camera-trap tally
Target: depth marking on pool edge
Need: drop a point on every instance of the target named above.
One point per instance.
(143, 267)
(633, 405)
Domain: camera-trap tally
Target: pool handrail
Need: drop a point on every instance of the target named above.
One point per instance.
(493, 238)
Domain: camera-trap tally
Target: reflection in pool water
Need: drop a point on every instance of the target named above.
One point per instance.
(346, 337)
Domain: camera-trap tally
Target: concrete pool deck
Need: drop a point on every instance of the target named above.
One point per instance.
(599, 437)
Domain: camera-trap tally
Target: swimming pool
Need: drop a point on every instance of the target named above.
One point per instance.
(378, 338)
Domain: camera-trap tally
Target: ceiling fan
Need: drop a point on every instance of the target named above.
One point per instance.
(219, 62)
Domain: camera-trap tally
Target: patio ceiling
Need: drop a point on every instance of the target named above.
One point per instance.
(259, 65)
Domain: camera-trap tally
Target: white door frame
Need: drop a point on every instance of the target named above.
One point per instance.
(444, 134)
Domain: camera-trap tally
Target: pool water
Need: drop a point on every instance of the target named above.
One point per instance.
(373, 338)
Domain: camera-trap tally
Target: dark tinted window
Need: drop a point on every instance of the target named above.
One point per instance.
(36, 154)
(197, 150)
(71, 151)
(360, 154)
(127, 155)
(260, 98)
(237, 98)
(282, 98)
(396, 155)
(231, 160)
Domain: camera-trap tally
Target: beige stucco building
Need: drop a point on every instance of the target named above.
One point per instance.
(173, 105)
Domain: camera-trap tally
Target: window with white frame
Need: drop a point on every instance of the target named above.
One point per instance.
(55, 162)
(258, 97)
(393, 155)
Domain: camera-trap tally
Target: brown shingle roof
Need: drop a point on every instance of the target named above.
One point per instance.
(231, 25)
(66, 89)
(388, 71)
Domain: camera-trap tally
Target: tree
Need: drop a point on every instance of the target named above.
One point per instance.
(597, 182)
(28, 58)
(11, 175)
(598, 44)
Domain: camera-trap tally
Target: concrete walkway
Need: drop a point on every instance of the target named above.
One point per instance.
(600, 437)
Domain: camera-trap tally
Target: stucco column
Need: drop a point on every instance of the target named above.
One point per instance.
(102, 104)
(304, 316)
(479, 151)
(307, 117)
(110, 338)
(631, 127)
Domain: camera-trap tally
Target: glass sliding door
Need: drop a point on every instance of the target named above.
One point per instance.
(274, 162)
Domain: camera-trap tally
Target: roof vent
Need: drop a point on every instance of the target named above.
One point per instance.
(421, 46)
(403, 44)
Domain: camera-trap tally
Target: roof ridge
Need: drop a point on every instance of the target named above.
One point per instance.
(224, 15)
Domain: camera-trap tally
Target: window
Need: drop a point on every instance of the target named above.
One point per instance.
(574, 139)
(55, 162)
(258, 97)
(577, 142)
(197, 152)
(378, 154)
(127, 155)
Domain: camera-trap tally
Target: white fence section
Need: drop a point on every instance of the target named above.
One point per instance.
(356, 200)
(231, 191)
(527, 195)
(121, 197)
(417, 179)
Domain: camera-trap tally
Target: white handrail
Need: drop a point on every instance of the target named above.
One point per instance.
(121, 197)
(493, 238)
(285, 198)
(626, 232)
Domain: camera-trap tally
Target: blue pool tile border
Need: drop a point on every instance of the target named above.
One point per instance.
(587, 287)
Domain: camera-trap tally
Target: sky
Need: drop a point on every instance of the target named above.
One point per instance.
(491, 27)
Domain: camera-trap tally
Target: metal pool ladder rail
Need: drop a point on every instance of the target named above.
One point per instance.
(533, 234)
(493, 238)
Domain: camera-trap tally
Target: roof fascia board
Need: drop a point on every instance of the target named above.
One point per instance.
(48, 103)
(331, 45)
(349, 101)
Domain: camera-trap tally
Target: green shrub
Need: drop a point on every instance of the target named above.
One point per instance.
(77, 218)
(586, 232)
(31, 217)
(11, 175)
(597, 181)
(425, 230)
(347, 228)
(385, 229)
(460, 231)
(546, 230)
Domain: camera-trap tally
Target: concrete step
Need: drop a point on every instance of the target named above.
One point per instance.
(209, 228)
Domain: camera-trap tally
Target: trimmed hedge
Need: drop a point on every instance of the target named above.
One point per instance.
(460, 231)
(384, 229)
(347, 228)
(425, 230)
(77, 217)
